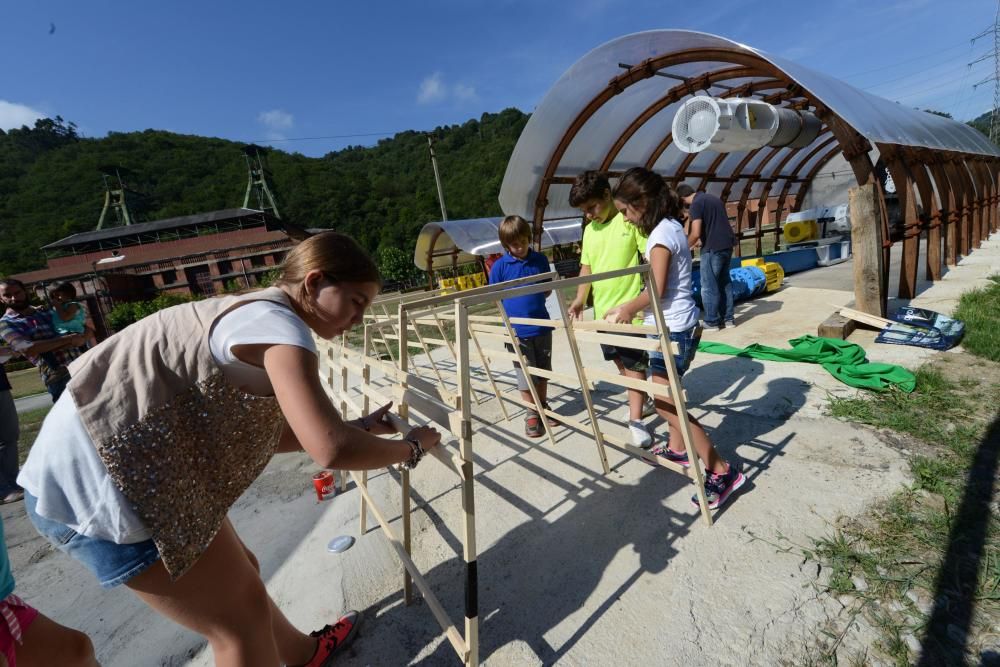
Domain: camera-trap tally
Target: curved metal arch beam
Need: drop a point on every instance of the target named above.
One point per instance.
(618, 84)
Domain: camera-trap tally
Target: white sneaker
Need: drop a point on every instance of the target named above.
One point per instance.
(648, 410)
(641, 436)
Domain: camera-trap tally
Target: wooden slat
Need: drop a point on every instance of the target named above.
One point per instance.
(437, 341)
(444, 452)
(555, 324)
(454, 636)
(570, 381)
(488, 329)
(600, 325)
(628, 448)
(439, 413)
(633, 342)
(651, 388)
(494, 355)
(503, 338)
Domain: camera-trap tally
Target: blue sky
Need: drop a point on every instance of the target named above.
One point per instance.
(280, 72)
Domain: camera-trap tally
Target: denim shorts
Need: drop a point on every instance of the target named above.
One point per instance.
(687, 345)
(111, 563)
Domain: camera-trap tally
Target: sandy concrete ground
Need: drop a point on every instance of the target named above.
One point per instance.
(575, 567)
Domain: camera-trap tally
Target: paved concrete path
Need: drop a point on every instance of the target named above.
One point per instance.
(33, 402)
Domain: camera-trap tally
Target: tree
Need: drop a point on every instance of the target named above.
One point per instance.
(396, 265)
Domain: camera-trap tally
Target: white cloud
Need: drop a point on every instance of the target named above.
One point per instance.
(276, 121)
(13, 115)
(434, 89)
(464, 93)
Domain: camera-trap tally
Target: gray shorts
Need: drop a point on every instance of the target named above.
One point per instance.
(538, 352)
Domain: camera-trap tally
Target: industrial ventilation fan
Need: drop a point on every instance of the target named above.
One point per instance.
(725, 126)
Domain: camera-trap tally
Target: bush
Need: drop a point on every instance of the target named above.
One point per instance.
(397, 266)
(125, 314)
(267, 278)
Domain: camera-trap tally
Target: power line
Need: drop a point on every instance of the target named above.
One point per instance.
(329, 136)
(921, 73)
(905, 62)
(995, 79)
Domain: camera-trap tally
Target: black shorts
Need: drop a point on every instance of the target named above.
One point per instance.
(631, 358)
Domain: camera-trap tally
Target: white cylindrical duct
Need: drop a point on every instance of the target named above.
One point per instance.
(729, 125)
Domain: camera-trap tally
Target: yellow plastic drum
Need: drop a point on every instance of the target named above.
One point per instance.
(800, 230)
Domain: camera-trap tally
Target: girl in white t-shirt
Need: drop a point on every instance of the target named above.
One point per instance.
(648, 203)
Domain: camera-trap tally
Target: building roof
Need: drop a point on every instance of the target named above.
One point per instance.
(98, 235)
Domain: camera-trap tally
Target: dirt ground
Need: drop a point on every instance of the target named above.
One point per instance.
(575, 567)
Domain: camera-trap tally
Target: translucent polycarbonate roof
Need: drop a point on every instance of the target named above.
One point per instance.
(609, 138)
(478, 237)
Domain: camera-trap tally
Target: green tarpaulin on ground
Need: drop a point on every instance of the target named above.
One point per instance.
(845, 361)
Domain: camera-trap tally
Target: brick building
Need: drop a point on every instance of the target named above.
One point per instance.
(198, 254)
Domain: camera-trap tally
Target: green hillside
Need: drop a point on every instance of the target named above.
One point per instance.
(382, 195)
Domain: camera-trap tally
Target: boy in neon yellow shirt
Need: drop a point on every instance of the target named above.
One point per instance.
(610, 243)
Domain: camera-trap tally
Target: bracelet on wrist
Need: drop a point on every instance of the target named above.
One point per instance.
(416, 453)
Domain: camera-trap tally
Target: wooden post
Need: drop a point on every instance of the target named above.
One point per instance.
(525, 368)
(584, 384)
(403, 410)
(911, 225)
(366, 401)
(866, 240)
(933, 218)
(489, 375)
(949, 215)
(468, 488)
(677, 393)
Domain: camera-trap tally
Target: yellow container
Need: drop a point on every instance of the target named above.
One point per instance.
(800, 230)
(774, 274)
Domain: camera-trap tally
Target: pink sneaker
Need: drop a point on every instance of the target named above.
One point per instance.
(333, 638)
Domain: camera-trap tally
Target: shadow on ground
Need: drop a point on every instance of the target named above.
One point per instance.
(946, 636)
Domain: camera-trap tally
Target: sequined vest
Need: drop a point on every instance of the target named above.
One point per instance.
(180, 442)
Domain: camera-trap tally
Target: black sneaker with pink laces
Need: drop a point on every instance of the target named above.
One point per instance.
(333, 638)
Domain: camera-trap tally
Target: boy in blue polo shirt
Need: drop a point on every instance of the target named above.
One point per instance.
(535, 342)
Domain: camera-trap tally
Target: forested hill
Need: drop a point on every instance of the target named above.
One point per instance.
(50, 186)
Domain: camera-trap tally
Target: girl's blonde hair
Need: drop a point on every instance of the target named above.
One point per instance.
(336, 255)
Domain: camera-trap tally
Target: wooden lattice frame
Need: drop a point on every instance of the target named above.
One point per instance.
(413, 393)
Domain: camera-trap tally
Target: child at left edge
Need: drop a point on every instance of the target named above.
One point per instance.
(520, 261)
